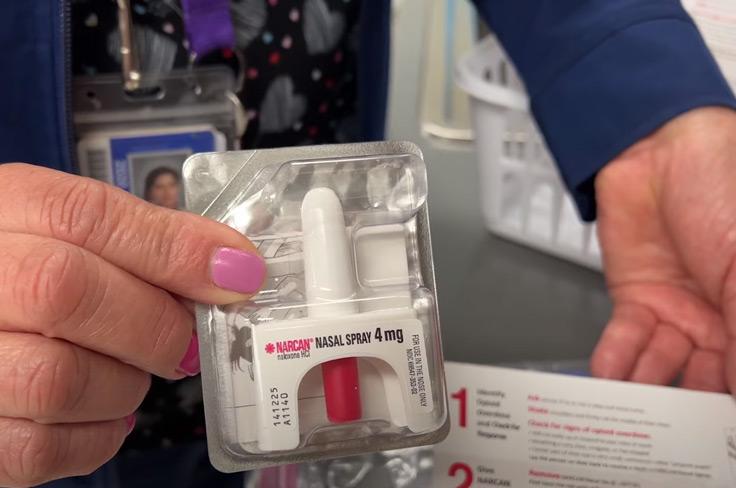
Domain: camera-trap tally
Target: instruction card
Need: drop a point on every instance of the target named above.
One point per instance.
(528, 429)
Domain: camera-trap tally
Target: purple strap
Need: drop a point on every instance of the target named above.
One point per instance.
(208, 25)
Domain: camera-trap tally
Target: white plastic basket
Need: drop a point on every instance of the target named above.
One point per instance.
(523, 196)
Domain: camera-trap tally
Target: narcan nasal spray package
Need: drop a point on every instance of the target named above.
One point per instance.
(339, 353)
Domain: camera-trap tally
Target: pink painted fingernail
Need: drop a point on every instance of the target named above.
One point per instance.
(190, 364)
(237, 270)
(130, 422)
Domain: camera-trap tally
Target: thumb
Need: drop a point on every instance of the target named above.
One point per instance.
(186, 254)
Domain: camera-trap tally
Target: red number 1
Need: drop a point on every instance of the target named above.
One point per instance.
(466, 470)
(462, 396)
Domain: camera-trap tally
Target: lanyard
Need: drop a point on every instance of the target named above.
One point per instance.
(208, 25)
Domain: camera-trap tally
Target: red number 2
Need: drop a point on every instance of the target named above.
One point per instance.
(462, 396)
(466, 470)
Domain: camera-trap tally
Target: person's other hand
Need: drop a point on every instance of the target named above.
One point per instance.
(667, 226)
(90, 281)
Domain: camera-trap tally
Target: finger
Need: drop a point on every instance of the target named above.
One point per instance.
(623, 340)
(32, 453)
(61, 291)
(53, 381)
(181, 252)
(705, 371)
(689, 313)
(663, 358)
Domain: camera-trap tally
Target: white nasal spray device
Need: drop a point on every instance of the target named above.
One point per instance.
(333, 336)
(330, 285)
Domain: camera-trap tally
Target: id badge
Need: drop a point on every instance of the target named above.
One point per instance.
(147, 163)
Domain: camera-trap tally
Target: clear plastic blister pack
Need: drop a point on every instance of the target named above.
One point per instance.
(339, 353)
(401, 468)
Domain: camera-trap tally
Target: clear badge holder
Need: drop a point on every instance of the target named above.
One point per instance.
(185, 97)
(139, 140)
(340, 351)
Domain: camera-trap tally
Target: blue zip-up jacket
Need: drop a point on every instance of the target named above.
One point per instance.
(601, 75)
